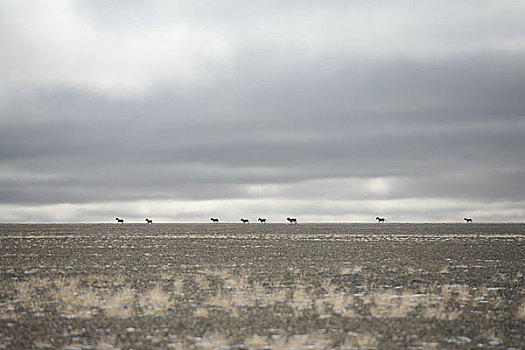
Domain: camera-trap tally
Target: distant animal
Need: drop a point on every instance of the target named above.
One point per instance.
(214, 220)
(292, 220)
(245, 221)
(119, 220)
(263, 221)
(149, 221)
(467, 219)
(380, 219)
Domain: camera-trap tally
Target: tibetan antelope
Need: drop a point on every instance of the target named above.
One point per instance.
(263, 221)
(380, 219)
(467, 219)
(214, 220)
(292, 220)
(245, 221)
(149, 221)
(119, 220)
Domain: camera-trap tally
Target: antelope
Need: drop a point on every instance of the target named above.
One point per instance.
(292, 220)
(245, 221)
(214, 220)
(467, 219)
(149, 221)
(380, 219)
(263, 221)
(119, 220)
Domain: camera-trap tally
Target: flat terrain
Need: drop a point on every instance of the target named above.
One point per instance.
(235, 286)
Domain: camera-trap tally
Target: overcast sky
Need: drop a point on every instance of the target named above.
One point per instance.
(325, 111)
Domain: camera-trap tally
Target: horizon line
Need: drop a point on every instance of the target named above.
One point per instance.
(255, 222)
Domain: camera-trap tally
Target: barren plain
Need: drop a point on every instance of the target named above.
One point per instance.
(257, 286)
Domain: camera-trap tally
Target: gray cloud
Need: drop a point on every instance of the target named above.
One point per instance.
(281, 104)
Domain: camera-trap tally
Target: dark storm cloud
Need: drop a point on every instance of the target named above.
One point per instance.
(258, 105)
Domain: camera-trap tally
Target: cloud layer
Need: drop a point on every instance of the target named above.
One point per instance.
(329, 112)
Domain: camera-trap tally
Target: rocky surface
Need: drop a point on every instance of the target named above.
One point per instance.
(312, 286)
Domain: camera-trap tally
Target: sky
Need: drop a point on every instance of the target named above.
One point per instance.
(335, 111)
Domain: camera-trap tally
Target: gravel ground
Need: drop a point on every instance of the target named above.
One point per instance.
(240, 286)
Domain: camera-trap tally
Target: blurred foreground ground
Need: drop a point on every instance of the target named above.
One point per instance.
(234, 286)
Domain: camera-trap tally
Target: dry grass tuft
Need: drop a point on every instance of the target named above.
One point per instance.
(74, 301)
(107, 343)
(428, 345)
(339, 303)
(494, 334)
(389, 304)
(346, 270)
(245, 296)
(166, 276)
(27, 291)
(235, 283)
(276, 296)
(236, 294)
(202, 281)
(361, 341)
(42, 345)
(313, 341)
(255, 342)
(289, 343)
(155, 300)
(455, 291)
(213, 341)
(178, 285)
(326, 284)
(201, 312)
(301, 299)
(221, 300)
(440, 312)
(76, 346)
(120, 305)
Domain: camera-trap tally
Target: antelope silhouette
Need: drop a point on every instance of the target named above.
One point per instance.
(467, 219)
(263, 221)
(149, 221)
(214, 220)
(292, 220)
(245, 221)
(119, 220)
(380, 219)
